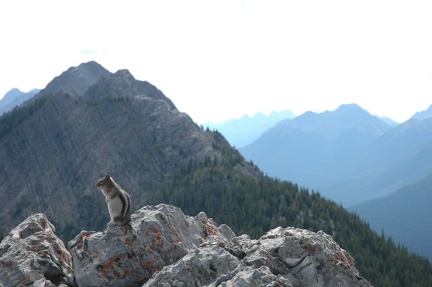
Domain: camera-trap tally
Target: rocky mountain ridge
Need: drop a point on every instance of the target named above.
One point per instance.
(172, 249)
(76, 80)
(85, 123)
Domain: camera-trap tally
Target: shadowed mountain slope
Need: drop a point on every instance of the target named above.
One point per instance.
(54, 148)
(405, 215)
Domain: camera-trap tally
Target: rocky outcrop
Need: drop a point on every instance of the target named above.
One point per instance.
(32, 254)
(172, 249)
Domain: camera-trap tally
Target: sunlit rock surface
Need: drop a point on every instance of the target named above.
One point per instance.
(167, 248)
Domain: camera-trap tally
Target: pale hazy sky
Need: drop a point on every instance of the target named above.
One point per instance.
(222, 59)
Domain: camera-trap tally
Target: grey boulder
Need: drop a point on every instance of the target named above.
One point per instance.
(32, 255)
(164, 247)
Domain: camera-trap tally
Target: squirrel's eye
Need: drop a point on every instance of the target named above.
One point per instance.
(101, 182)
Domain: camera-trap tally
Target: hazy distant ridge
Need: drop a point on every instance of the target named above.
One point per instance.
(405, 215)
(423, 114)
(14, 98)
(314, 148)
(243, 131)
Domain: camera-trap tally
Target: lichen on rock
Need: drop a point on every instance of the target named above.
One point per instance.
(32, 254)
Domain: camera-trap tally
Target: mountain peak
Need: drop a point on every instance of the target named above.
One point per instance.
(124, 73)
(76, 80)
(9, 96)
(122, 84)
(350, 109)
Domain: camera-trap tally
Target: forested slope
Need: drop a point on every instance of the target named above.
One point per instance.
(253, 206)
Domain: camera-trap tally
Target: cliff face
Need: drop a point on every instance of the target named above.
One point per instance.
(172, 249)
(85, 123)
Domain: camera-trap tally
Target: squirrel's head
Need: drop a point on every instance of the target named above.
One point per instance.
(104, 182)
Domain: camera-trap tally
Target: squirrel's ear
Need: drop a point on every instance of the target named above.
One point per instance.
(107, 176)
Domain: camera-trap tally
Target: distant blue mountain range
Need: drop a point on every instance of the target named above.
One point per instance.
(373, 166)
(14, 98)
(320, 151)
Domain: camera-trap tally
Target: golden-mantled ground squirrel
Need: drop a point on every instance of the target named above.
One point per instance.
(118, 200)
